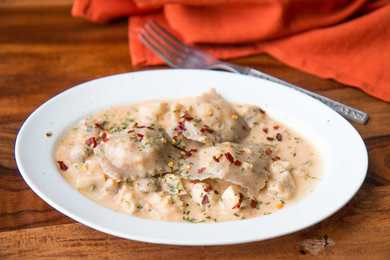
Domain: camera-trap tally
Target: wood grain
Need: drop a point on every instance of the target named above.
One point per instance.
(349, 229)
(44, 51)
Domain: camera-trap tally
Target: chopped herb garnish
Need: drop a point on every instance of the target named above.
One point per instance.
(192, 220)
(308, 176)
(308, 163)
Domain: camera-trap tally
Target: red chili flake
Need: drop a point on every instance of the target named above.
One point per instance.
(206, 129)
(268, 151)
(216, 192)
(201, 170)
(98, 125)
(238, 205)
(279, 137)
(91, 142)
(270, 138)
(180, 127)
(187, 116)
(265, 130)
(276, 158)
(244, 127)
(253, 204)
(229, 157)
(62, 165)
(205, 200)
(141, 136)
(138, 126)
(105, 137)
(276, 127)
(237, 162)
(208, 188)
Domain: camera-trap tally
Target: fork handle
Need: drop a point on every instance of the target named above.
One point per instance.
(348, 112)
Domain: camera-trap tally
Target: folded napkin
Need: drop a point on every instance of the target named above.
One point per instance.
(345, 40)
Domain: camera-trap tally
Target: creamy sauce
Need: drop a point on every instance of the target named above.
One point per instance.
(199, 159)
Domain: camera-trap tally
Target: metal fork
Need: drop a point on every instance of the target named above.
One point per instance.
(179, 55)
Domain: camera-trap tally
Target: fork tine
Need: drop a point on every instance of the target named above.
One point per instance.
(158, 49)
(166, 36)
(163, 42)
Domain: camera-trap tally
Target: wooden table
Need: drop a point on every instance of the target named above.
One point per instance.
(44, 51)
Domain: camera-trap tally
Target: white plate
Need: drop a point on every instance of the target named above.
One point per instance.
(342, 150)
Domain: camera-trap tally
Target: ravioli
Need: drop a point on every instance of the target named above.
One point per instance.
(243, 165)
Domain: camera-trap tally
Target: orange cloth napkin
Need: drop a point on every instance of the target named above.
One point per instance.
(346, 40)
